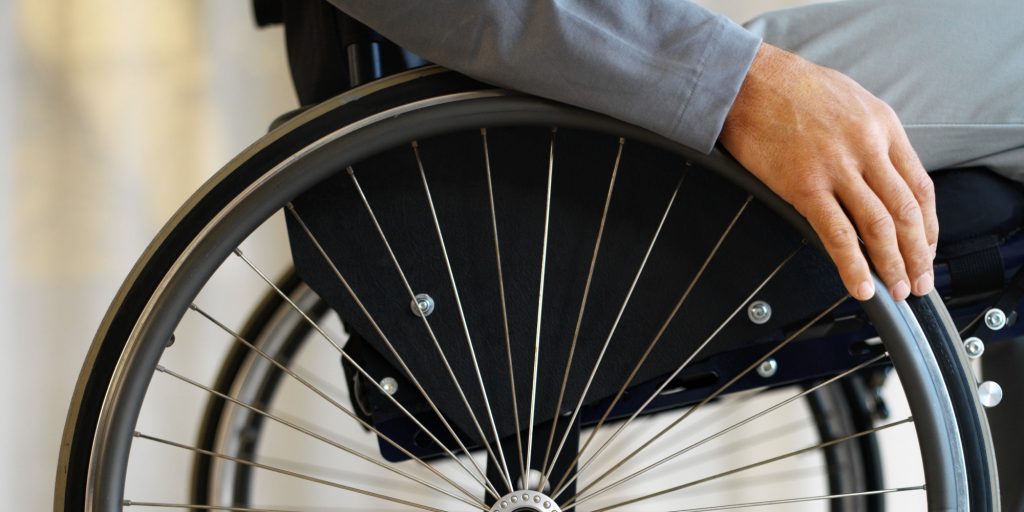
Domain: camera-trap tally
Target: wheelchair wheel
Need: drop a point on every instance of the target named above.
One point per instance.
(544, 309)
(837, 410)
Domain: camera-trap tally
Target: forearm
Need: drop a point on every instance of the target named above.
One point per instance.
(668, 66)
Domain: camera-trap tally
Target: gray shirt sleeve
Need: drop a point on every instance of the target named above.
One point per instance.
(670, 66)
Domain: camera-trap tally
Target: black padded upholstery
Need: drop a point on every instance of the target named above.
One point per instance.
(974, 203)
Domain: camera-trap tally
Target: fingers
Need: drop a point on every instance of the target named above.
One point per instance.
(907, 217)
(838, 235)
(876, 227)
(914, 175)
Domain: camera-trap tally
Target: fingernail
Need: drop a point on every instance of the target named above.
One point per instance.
(865, 291)
(924, 283)
(901, 290)
(934, 248)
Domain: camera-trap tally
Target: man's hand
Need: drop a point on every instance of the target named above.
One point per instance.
(840, 156)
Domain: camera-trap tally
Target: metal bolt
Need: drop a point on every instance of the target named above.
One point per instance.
(422, 305)
(974, 347)
(990, 393)
(995, 319)
(389, 385)
(768, 368)
(759, 312)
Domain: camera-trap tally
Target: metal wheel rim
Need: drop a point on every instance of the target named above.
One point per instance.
(516, 110)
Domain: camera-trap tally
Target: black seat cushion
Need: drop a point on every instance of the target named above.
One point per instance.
(975, 203)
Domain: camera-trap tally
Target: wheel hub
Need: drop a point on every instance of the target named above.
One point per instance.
(525, 501)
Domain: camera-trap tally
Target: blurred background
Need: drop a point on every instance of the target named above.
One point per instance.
(112, 112)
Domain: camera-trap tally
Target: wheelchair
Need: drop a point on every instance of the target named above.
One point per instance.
(495, 302)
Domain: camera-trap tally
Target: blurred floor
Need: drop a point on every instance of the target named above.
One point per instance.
(111, 113)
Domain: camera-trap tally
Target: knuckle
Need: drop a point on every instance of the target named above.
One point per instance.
(894, 271)
(886, 111)
(879, 226)
(811, 187)
(854, 268)
(923, 187)
(889, 266)
(908, 211)
(839, 235)
(920, 261)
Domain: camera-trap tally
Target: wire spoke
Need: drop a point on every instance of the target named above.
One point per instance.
(650, 347)
(618, 318)
(802, 499)
(504, 308)
(579, 322)
(317, 436)
(430, 332)
(286, 472)
(723, 474)
(684, 364)
(721, 389)
(502, 465)
(387, 342)
(540, 303)
(348, 412)
(726, 430)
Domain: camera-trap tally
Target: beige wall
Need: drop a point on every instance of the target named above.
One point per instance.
(111, 114)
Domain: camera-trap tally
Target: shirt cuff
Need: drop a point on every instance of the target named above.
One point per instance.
(723, 68)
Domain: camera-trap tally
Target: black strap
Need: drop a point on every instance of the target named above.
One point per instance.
(1007, 302)
(977, 271)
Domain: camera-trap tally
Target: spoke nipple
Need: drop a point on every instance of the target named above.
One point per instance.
(554, 129)
(136, 434)
(768, 368)
(622, 140)
(193, 306)
(238, 252)
(290, 207)
(995, 319)
(351, 171)
(127, 503)
(160, 368)
(422, 305)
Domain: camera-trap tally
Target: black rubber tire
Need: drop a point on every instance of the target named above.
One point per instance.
(85, 448)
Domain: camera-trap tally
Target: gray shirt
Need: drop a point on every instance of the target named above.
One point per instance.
(670, 66)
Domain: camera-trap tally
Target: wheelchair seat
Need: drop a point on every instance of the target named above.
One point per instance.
(975, 202)
(980, 217)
